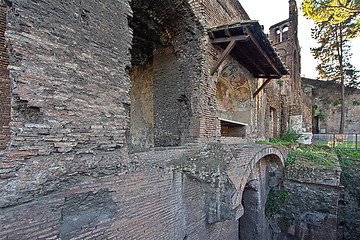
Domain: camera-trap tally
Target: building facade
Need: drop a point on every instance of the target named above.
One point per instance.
(138, 119)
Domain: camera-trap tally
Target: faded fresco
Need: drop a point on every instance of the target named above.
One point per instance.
(233, 94)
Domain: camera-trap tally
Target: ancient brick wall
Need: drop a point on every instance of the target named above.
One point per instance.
(285, 40)
(70, 92)
(67, 171)
(311, 208)
(215, 12)
(324, 101)
(149, 204)
(4, 83)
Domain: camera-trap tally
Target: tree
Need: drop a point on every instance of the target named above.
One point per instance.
(332, 11)
(334, 54)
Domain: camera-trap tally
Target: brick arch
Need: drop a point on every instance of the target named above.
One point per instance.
(275, 153)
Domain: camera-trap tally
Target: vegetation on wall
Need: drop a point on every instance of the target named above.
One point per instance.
(356, 103)
(349, 205)
(337, 102)
(314, 108)
(320, 115)
(275, 199)
(280, 82)
(288, 137)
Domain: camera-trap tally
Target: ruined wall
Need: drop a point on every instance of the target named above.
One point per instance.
(70, 92)
(284, 36)
(274, 109)
(254, 224)
(215, 12)
(149, 204)
(68, 172)
(142, 110)
(325, 102)
(168, 37)
(308, 206)
(4, 83)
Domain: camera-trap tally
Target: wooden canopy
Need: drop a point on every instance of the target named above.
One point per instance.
(247, 43)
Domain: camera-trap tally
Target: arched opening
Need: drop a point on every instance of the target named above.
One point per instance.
(4, 82)
(265, 175)
(285, 33)
(160, 74)
(278, 36)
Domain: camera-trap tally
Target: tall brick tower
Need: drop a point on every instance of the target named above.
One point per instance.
(284, 37)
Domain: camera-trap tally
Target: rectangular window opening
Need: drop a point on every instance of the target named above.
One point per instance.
(232, 128)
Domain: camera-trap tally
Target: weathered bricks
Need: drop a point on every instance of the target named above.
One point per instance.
(70, 120)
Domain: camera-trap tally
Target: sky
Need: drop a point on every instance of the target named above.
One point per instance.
(271, 12)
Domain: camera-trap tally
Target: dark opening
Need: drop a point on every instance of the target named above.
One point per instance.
(232, 129)
(315, 128)
(159, 109)
(273, 123)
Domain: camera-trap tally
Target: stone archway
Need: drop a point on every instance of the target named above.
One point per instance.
(243, 160)
(266, 174)
(242, 165)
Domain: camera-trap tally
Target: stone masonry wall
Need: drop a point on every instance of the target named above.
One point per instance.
(4, 83)
(149, 204)
(325, 101)
(67, 171)
(310, 208)
(70, 93)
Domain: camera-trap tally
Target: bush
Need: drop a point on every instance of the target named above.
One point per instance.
(290, 136)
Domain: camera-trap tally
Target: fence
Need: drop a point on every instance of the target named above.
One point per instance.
(337, 140)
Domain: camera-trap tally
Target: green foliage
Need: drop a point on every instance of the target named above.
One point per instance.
(311, 154)
(313, 110)
(321, 116)
(267, 142)
(337, 102)
(315, 94)
(303, 86)
(275, 199)
(357, 196)
(346, 156)
(333, 50)
(290, 136)
(356, 103)
(280, 82)
(333, 11)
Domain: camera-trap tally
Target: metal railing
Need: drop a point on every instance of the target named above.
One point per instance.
(337, 140)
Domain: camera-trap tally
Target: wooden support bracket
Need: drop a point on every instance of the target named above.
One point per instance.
(262, 51)
(226, 52)
(262, 87)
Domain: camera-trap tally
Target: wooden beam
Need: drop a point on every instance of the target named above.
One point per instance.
(251, 60)
(262, 87)
(223, 56)
(262, 51)
(229, 39)
(227, 32)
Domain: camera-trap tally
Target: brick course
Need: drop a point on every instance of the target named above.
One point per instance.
(70, 123)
